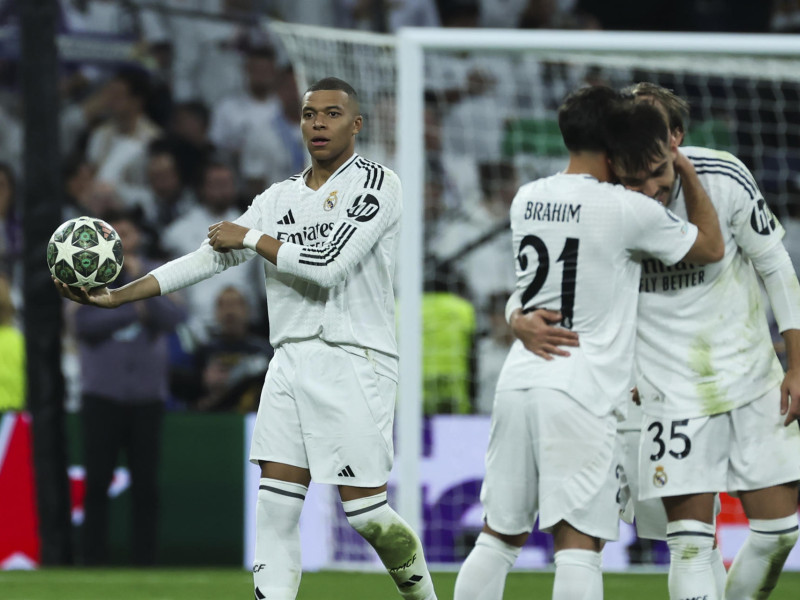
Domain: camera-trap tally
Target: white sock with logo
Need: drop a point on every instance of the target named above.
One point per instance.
(395, 542)
(276, 565)
(759, 562)
(691, 575)
(578, 575)
(483, 574)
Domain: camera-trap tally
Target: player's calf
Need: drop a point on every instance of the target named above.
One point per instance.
(483, 574)
(395, 542)
(758, 564)
(277, 566)
(691, 575)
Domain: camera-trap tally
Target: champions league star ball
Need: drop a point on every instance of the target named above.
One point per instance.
(85, 252)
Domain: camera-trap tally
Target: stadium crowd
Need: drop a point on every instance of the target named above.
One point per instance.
(203, 116)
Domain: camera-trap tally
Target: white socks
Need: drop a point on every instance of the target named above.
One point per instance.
(276, 566)
(690, 570)
(720, 573)
(578, 575)
(757, 566)
(483, 574)
(395, 542)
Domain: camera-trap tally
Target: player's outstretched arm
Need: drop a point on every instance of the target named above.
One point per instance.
(102, 297)
(790, 388)
(709, 246)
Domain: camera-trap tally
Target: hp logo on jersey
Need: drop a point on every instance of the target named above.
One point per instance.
(761, 220)
(364, 208)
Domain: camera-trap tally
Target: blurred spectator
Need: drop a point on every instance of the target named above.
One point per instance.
(396, 14)
(333, 13)
(83, 106)
(412, 13)
(208, 54)
(10, 139)
(233, 363)
(169, 197)
(476, 242)
(448, 347)
(785, 17)
(117, 149)
(232, 118)
(459, 13)
(99, 199)
(492, 350)
(124, 381)
(12, 354)
(97, 16)
(10, 224)
(218, 202)
(454, 172)
(513, 13)
(273, 149)
(189, 139)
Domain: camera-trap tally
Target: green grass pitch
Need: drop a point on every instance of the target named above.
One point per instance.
(224, 584)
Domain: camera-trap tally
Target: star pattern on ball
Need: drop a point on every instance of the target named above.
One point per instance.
(65, 250)
(105, 250)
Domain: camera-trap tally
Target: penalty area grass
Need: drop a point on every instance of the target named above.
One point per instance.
(219, 584)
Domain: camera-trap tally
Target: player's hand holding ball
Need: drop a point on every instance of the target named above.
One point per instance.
(85, 255)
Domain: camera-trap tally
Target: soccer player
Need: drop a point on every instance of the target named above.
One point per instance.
(719, 411)
(327, 238)
(552, 443)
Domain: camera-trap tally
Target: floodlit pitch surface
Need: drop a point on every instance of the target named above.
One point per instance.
(216, 584)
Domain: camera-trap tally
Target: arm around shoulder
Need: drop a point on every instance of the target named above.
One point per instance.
(709, 246)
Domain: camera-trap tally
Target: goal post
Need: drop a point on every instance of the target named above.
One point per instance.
(465, 117)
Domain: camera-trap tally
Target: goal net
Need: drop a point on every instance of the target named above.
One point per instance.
(465, 117)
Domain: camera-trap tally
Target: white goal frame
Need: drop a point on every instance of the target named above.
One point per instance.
(717, 54)
(411, 44)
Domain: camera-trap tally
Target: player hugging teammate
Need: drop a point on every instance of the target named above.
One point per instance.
(717, 411)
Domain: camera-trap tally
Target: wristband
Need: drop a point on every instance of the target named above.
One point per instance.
(251, 239)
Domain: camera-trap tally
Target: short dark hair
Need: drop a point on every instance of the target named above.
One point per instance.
(333, 83)
(582, 118)
(132, 215)
(136, 80)
(638, 136)
(677, 108)
(196, 108)
(262, 51)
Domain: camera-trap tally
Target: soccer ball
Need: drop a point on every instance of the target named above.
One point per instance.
(85, 252)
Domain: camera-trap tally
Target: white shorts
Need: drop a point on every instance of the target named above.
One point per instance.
(327, 410)
(747, 448)
(649, 515)
(549, 455)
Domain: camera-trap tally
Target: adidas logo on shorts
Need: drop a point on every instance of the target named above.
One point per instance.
(347, 472)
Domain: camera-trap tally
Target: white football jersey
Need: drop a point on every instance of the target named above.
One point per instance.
(334, 277)
(703, 344)
(577, 244)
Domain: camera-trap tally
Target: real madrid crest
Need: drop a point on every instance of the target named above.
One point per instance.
(660, 477)
(331, 200)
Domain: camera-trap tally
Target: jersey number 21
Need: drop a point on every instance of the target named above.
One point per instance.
(568, 256)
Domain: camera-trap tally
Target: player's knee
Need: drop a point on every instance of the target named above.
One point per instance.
(577, 558)
(517, 540)
(690, 543)
(778, 536)
(381, 526)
